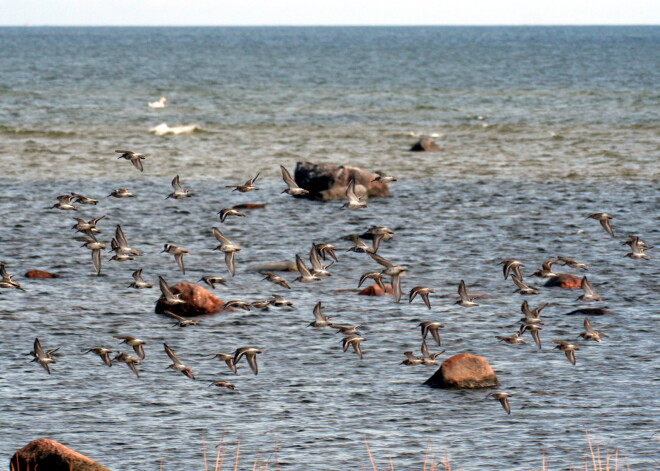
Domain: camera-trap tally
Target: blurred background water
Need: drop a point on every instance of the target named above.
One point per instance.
(538, 127)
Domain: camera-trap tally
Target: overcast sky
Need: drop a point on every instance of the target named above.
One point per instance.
(328, 12)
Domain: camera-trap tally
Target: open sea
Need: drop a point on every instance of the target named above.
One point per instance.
(538, 127)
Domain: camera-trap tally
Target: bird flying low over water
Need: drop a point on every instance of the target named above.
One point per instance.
(83, 199)
(65, 203)
(87, 227)
(251, 354)
(102, 352)
(179, 192)
(355, 341)
(383, 177)
(137, 344)
(354, 201)
(465, 300)
(546, 269)
(228, 248)
(393, 271)
(248, 186)
(213, 280)
(326, 249)
(225, 213)
(135, 157)
(6, 281)
(306, 276)
(180, 321)
(228, 359)
(589, 293)
(130, 360)
(273, 278)
(319, 319)
(503, 398)
(95, 246)
(604, 220)
(293, 188)
(568, 349)
(511, 265)
(178, 253)
(44, 358)
(423, 293)
(432, 328)
(139, 282)
(590, 333)
(638, 247)
(168, 297)
(177, 365)
(523, 288)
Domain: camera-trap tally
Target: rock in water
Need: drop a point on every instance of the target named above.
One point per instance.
(329, 182)
(463, 371)
(425, 144)
(48, 455)
(40, 274)
(375, 290)
(564, 280)
(198, 301)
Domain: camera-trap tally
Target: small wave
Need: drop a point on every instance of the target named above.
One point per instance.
(162, 129)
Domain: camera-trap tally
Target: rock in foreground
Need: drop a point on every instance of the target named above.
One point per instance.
(375, 290)
(329, 182)
(463, 371)
(48, 455)
(198, 300)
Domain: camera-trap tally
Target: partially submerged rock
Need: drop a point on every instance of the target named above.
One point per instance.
(329, 182)
(463, 371)
(198, 301)
(590, 311)
(425, 144)
(375, 290)
(43, 454)
(564, 280)
(40, 274)
(250, 206)
(284, 265)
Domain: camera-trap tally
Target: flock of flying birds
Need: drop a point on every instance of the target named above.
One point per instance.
(316, 271)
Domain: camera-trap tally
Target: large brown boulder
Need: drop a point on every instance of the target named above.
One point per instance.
(198, 301)
(564, 280)
(40, 274)
(425, 144)
(329, 182)
(463, 371)
(48, 455)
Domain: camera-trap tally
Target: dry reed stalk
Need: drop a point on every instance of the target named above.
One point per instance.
(371, 458)
(238, 449)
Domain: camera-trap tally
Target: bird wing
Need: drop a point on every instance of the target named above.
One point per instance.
(221, 238)
(380, 260)
(287, 178)
(350, 192)
(586, 286)
(425, 350)
(252, 359)
(396, 287)
(318, 315)
(137, 163)
(375, 243)
(252, 180)
(462, 291)
(96, 260)
(314, 259)
(119, 235)
(174, 316)
(172, 356)
(176, 185)
(304, 271)
(38, 351)
(518, 282)
(179, 260)
(229, 260)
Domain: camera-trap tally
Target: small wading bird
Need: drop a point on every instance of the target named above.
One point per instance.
(65, 203)
(228, 248)
(180, 321)
(354, 201)
(44, 358)
(249, 185)
(139, 282)
(393, 271)
(293, 188)
(177, 365)
(225, 213)
(326, 249)
(273, 278)
(319, 319)
(424, 294)
(213, 280)
(306, 276)
(523, 288)
(83, 199)
(503, 398)
(6, 281)
(168, 297)
(383, 177)
(251, 354)
(465, 300)
(511, 265)
(179, 192)
(130, 360)
(228, 359)
(102, 352)
(355, 341)
(178, 253)
(87, 227)
(137, 344)
(568, 349)
(604, 220)
(135, 157)
(121, 193)
(119, 244)
(431, 327)
(589, 293)
(95, 246)
(223, 384)
(590, 333)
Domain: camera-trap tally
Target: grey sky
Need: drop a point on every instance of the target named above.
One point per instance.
(327, 12)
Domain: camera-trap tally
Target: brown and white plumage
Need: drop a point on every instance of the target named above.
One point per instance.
(44, 358)
(326, 249)
(177, 365)
(6, 281)
(179, 192)
(130, 360)
(137, 344)
(180, 321)
(248, 186)
(228, 248)
(546, 269)
(250, 353)
(511, 265)
(590, 333)
(604, 220)
(393, 271)
(503, 398)
(568, 349)
(306, 276)
(354, 201)
(168, 297)
(424, 294)
(178, 253)
(431, 327)
(355, 341)
(293, 188)
(228, 359)
(373, 275)
(225, 213)
(465, 300)
(589, 293)
(276, 279)
(135, 158)
(319, 319)
(523, 288)
(102, 352)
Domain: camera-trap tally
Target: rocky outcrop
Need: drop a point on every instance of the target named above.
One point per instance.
(425, 144)
(40, 274)
(375, 290)
(590, 311)
(48, 455)
(329, 182)
(198, 301)
(564, 280)
(463, 371)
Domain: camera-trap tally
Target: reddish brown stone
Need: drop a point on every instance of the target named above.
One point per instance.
(197, 299)
(329, 182)
(40, 274)
(250, 206)
(425, 144)
(375, 290)
(564, 280)
(44, 454)
(463, 371)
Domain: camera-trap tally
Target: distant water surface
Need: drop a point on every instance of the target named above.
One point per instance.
(538, 127)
